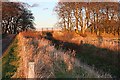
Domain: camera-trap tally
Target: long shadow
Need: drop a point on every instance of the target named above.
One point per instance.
(102, 59)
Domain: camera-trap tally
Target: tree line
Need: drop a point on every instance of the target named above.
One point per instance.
(95, 17)
(16, 17)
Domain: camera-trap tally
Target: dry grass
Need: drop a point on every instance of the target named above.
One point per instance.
(104, 41)
(49, 62)
(100, 51)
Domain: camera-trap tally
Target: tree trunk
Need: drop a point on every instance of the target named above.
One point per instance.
(94, 22)
(76, 16)
(97, 24)
(64, 23)
(68, 25)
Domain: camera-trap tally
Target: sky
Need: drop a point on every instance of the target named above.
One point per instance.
(44, 14)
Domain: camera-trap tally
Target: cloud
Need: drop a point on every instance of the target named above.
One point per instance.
(45, 8)
(35, 5)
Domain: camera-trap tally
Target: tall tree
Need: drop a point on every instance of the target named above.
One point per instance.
(102, 18)
(16, 17)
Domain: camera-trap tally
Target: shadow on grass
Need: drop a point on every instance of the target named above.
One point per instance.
(104, 60)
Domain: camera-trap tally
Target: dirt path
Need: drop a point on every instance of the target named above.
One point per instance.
(5, 42)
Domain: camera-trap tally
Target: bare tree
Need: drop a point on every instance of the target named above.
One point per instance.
(102, 18)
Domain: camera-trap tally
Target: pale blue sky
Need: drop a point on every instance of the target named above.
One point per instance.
(44, 15)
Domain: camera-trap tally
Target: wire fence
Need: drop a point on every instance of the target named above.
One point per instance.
(49, 29)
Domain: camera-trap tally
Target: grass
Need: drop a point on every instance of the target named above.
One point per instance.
(10, 61)
(103, 59)
(51, 58)
(76, 72)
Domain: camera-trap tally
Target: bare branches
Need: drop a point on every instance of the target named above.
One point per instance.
(96, 17)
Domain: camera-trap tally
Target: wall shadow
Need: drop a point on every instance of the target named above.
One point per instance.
(102, 59)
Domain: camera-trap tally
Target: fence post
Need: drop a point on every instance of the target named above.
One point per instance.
(31, 72)
(42, 29)
(52, 29)
(46, 29)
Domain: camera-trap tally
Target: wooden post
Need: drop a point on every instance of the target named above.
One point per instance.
(42, 29)
(46, 29)
(52, 29)
(31, 72)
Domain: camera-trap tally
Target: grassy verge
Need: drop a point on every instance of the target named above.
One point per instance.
(102, 59)
(10, 60)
